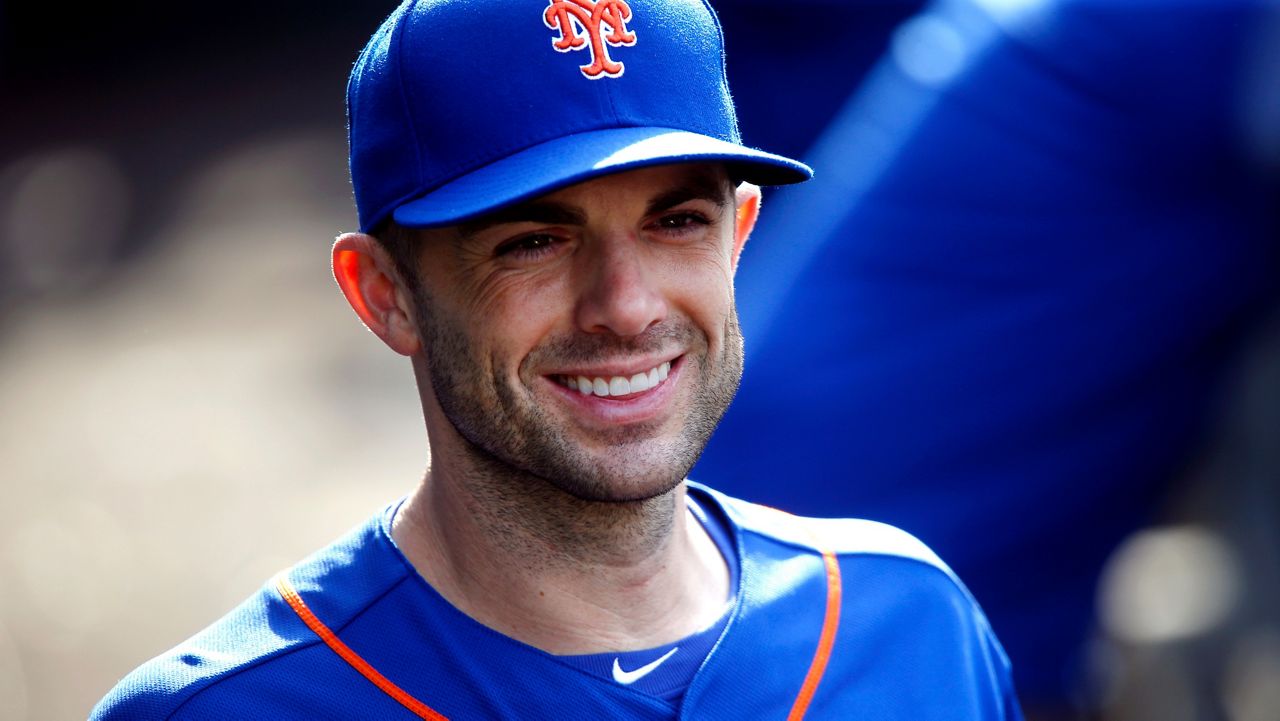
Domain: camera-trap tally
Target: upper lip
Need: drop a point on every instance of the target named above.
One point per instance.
(629, 367)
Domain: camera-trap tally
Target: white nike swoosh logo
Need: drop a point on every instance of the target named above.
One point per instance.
(627, 678)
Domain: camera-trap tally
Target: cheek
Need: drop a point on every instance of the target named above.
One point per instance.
(700, 284)
(509, 316)
(711, 310)
(707, 262)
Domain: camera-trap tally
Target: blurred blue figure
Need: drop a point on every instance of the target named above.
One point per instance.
(998, 316)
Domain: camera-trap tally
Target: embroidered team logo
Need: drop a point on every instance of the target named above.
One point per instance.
(575, 18)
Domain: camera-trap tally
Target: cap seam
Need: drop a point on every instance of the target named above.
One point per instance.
(608, 95)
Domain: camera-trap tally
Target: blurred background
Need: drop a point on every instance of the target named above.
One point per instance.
(1031, 295)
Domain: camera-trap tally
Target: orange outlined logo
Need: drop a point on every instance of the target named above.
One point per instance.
(590, 18)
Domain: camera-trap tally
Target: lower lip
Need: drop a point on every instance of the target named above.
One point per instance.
(617, 410)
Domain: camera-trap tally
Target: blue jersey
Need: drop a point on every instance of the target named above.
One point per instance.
(832, 619)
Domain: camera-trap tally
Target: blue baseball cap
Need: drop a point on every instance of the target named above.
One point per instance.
(457, 108)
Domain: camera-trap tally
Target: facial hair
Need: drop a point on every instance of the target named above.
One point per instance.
(510, 432)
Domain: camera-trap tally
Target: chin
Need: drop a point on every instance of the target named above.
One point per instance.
(620, 485)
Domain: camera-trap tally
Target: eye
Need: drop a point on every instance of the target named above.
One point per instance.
(528, 246)
(682, 221)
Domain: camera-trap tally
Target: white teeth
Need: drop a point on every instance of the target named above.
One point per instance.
(618, 385)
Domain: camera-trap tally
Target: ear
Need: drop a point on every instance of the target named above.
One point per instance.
(367, 277)
(747, 200)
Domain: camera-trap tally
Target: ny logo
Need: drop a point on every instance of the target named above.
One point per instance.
(590, 17)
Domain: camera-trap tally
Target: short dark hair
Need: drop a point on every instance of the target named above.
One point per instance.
(403, 245)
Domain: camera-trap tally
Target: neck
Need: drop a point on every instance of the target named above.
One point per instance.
(563, 574)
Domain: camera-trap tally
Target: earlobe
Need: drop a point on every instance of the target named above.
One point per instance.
(747, 199)
(367, 278)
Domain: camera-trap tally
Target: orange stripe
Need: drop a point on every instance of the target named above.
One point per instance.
(826, 640)
(351, 657)
(821, 655)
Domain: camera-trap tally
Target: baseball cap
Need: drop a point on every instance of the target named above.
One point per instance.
(457, 108)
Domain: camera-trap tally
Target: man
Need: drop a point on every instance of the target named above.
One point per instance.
(551, 217)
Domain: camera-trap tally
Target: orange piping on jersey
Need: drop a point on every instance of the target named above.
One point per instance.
(295, 602)
(826, 639)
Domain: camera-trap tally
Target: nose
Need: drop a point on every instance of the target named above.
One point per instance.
(620, 292)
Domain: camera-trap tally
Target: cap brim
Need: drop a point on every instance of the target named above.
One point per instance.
(582, 156)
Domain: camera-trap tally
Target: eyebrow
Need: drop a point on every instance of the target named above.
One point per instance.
(702, 186)
(708, 187)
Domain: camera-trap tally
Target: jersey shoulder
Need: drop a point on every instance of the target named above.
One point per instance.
(250, 635)
(858, 543)
(943, 650)
(841, 536)
(256, 637)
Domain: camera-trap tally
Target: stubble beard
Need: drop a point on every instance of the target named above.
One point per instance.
(520, 448)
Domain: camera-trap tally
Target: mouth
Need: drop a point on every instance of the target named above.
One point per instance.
(616, 386)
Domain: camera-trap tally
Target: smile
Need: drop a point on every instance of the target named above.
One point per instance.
(617, 385)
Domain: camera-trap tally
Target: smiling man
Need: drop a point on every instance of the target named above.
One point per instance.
(551, 217)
